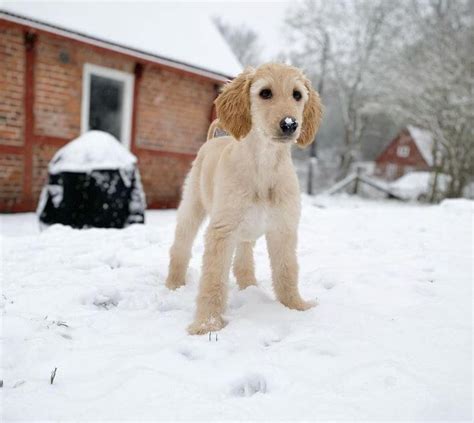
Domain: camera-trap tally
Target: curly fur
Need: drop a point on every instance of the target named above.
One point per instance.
(312, 116)
(233, 105)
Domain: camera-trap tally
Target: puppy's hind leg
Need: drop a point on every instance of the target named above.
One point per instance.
(243, 266)
(190, 216)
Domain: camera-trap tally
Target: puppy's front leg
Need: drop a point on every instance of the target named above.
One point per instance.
(281, 244)
(212, 295)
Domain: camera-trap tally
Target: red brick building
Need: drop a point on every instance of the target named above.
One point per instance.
(411, 150)
(57, 82)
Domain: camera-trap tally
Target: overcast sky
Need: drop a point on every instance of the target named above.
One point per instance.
(264, 17)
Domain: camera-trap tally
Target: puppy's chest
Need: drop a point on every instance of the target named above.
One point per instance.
(254, 223)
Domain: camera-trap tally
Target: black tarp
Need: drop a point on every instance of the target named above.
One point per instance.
(82, 194)
(101, 199)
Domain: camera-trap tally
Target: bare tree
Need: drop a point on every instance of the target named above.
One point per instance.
(370, 26)
(341, 40)
(313, 57)
(242, 40)
(429, 81)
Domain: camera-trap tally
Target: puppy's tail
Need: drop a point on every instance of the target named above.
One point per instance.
(214, 130)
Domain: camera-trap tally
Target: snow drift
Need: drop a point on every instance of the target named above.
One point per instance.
(417, 185)
(391, 338)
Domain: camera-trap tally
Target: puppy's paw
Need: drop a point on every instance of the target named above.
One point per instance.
(301, 305)
(174, 284)
(306, 305)
(244, 284)
(203, 326)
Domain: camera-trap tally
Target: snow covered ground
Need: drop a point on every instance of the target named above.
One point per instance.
(390, 339)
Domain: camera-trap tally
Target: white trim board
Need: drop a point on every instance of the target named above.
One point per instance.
(128, 81)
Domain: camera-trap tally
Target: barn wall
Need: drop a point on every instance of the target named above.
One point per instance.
(58, 84)
(173, 111)
(392, 166)
(12, 118)
(162, 178)
(172, 115)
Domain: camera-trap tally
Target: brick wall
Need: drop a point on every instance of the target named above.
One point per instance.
(11, 177)
(173, 116)
(12, 74)
(162, 178)
(58, 84)
(173, 112)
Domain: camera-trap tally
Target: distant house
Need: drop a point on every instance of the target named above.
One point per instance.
(411, 150)
(149, 79)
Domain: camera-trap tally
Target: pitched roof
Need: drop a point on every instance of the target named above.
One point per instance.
(424, 142)
(175, 33)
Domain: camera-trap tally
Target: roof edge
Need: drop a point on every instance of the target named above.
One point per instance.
(109, 45)
(427, 155)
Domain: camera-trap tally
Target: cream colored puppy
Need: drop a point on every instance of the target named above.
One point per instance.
(248, 186)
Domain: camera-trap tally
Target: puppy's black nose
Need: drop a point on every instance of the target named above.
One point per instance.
(288, 125)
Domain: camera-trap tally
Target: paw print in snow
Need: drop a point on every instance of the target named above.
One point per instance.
(249, 385)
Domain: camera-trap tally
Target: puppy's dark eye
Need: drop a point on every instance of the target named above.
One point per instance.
(266, 94)
(297, 95)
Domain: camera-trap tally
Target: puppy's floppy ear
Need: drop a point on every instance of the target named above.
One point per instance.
(312, 115)
(233, 105)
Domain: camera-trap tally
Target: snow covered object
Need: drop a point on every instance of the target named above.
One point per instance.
(418, 185)
(93, 181)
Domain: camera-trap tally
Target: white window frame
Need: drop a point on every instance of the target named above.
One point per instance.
(128, 80)
(403, 151)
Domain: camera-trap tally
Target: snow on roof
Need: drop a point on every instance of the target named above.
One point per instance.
(176, 31)
(94, 150)
(424, 142)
